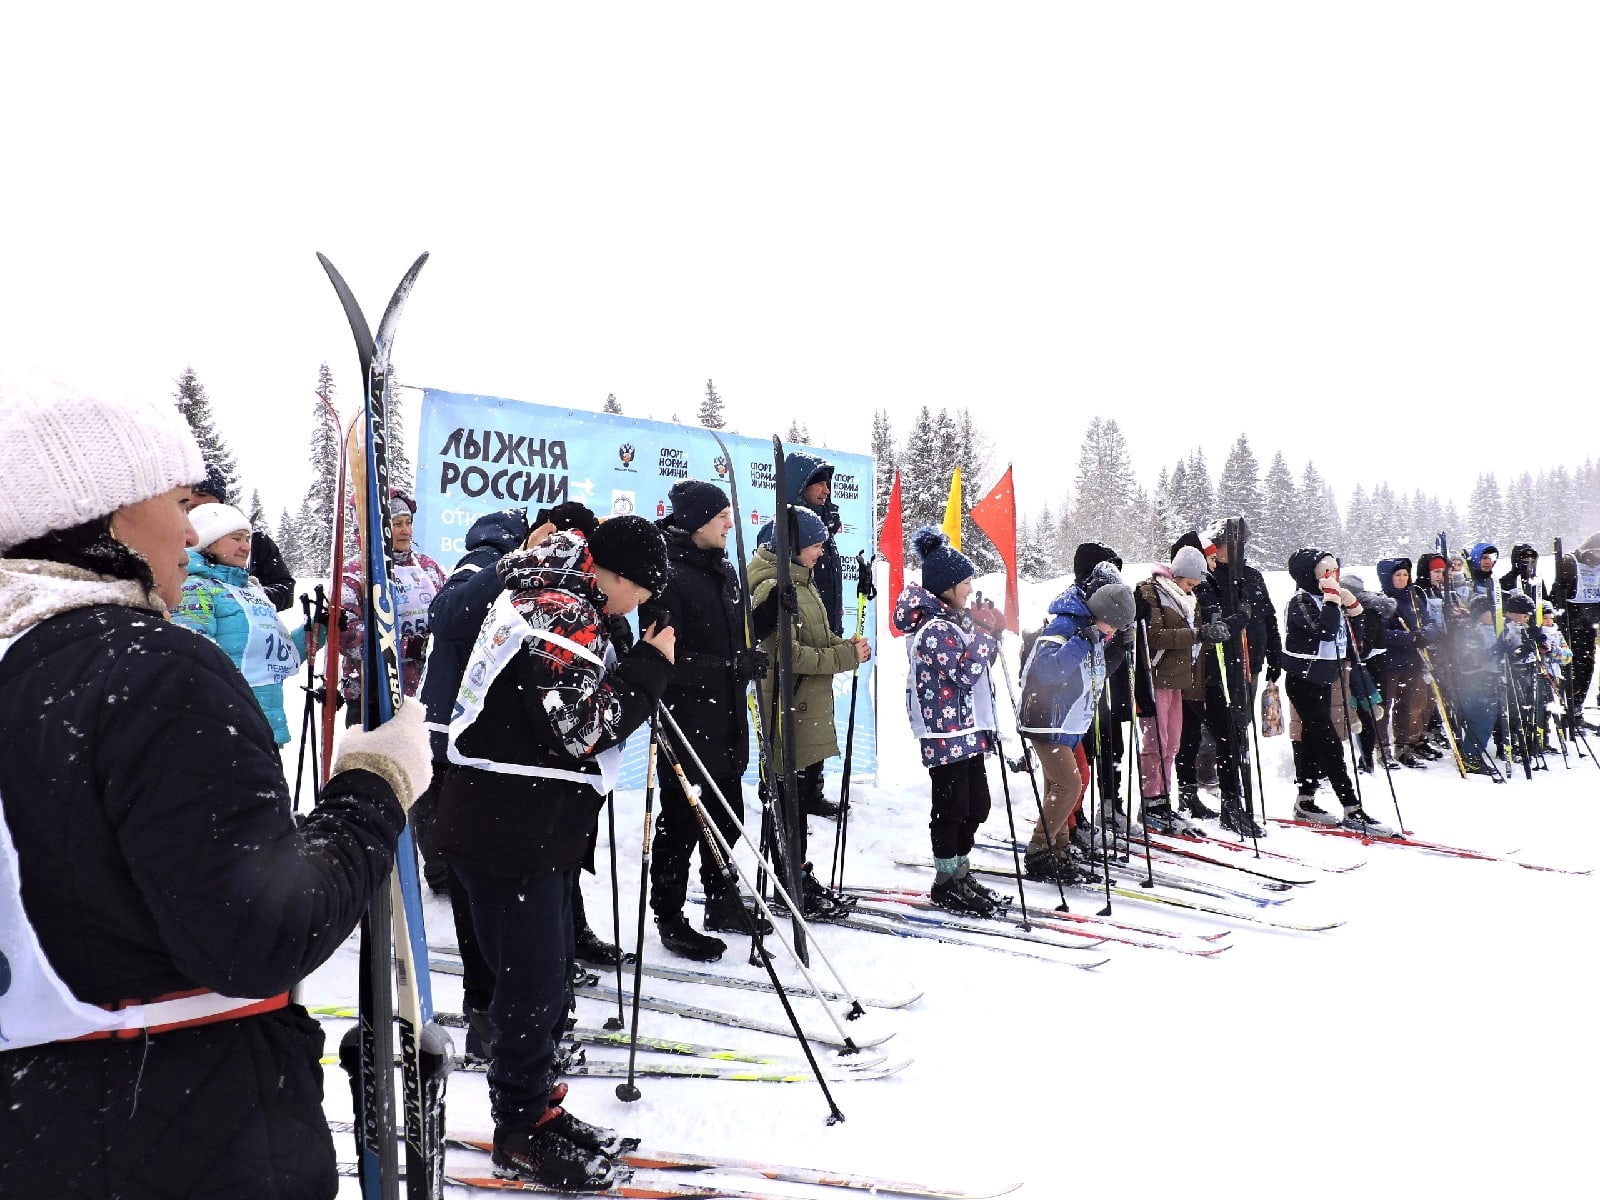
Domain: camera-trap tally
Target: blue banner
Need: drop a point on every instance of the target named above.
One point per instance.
(479, 454)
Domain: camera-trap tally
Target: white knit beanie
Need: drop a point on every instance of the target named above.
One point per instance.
(66, 458)
(213, 521)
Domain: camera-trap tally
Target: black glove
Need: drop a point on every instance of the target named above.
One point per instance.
(415, 647)
(789, 599)
(1238, 621)
(1274, 672)
(750, 664)
(1091, 634)
(1245, 610)
(1214, 632)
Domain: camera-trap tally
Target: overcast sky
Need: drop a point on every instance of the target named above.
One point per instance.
(1363, 233)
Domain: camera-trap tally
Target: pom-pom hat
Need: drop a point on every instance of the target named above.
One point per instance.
(943, 566)
(66, 458)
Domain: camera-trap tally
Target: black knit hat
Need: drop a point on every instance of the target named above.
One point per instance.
(1516, 601)
(569, 515)
(634, 549)
(694, 502)
(214, 485)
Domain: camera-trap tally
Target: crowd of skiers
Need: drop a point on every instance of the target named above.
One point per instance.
(159, 899)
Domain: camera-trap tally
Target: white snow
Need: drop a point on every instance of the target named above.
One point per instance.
(1440, 1043)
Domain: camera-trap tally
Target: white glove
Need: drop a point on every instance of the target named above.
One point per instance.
(397, 751)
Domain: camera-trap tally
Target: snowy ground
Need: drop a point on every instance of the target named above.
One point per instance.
(1441, 1042)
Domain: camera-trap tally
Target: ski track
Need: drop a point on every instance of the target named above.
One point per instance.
(1447, 1025)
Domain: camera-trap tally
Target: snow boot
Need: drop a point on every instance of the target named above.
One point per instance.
(1306, 808)
(1408, 758)
(595, 1138)
(684, 940)
(591, 948)
(1189, 801)
(1236, 820)
(1356, 818)
(727, 913)
(1049, 866)
(541, 1154)
(964, 873)
(1427, 750)
(820, 904)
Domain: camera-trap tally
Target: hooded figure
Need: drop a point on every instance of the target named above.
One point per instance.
(810, 480)
(1482, 578)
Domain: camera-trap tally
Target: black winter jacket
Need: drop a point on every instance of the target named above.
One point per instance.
(271, 572)
(707, 695)
(145, 795)
(1308, 621)
(457, 612)
(800, 470)
(548, 708)
(1262, 628)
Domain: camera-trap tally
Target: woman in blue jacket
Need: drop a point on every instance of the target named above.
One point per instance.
(222, 603)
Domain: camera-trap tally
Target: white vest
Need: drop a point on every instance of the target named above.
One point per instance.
(503, 635)
(270, 656)
(36, 1007)
(1586, 589)
(982, 701)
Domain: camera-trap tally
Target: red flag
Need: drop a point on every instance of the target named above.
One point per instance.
(892, 546)
(996, 515)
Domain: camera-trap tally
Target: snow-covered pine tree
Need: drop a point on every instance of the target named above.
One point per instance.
(885, 461)
(195, 406)
(1484, 512)
(315, 537)
(1104, 491)
(258, 515)
(1359, 541)
(1239, 485)
(1043, 532)
(972, 453)
(797, 432)
(1202, 501)
(611, 405)
(400, 473)
(1178, 514)
(1387, 525)
(1275, 533)
(1030, 556)
(922, 495)
(289, 545)
(1316, 512)
(711, 413)
(1520, 520)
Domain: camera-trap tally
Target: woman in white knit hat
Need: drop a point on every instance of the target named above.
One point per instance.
(157, 898)
(224, 603)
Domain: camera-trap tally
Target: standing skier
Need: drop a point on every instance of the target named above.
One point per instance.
(1169, 626)
(950, 702)
(416, 579)
(160, 897)
(224, 604)
(819, 654)
(710, 680)
(535, 739)
(1315, 646)
(1578, 593)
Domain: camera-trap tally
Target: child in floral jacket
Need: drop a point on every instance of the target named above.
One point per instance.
(950, 701)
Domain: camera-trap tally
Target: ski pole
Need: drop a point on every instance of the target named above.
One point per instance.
(1105, 844)
(856, 1009)
(1027, 763)
(1134, 769)
(865, 591)
(309, 712)
(616, 1022)
(629, 1091)
(712, 840)
(1011, 822)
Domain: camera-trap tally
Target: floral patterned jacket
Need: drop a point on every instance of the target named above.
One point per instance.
(949, 662)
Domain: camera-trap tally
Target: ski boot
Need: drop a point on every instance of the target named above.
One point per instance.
(727, 913)
(1306, 808)
(1356, 818)
(683, 939)
(952, 894)
(542, 1154)
(1189, 801)
(591, 948)
(1236, 820)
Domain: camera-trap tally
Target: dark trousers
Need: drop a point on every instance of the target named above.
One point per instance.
(677, 835)
(808, 782)
(1581, 637)
(1319, 754)
(524, 926)
(960, 804)
(1211, 713)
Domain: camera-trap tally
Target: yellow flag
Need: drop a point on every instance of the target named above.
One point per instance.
(952, 511)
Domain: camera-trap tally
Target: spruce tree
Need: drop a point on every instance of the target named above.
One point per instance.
(400, 474)
(1276, 533)
(1316, 514)
(972, 454)
(921, 499)
(195, 406)
(289, 545)
(1484, 512)
(884, 464)
(797, 432)
(1202, 501)
(1178, 514)
(1239, 486)
(1357, 546)
(1104, 492)
(1043, 532)
(258, 515)
(611, 405)
(315, 535)
(711, 413)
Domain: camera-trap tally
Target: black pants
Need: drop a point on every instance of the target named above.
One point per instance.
(424, 816)
(808, 782)
(1319, 754)
(960, 804)
(677, 835)
(1211, 713)
(1581, 637)
(524, 925)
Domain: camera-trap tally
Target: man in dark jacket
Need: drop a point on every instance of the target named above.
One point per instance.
(713, 668)
(1578, 592)
(266, 560)
(535, 739)
(810, 480)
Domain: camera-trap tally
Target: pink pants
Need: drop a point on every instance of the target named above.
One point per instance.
(1158, 743)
